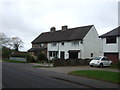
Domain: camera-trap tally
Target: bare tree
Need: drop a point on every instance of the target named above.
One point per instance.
(16, 43)
(4, 40)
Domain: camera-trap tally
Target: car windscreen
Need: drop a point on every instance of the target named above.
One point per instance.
(97, 58)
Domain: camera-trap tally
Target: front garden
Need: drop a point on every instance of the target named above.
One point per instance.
(98, 74)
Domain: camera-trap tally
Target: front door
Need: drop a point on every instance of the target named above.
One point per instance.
(73, 55)
(62, 55)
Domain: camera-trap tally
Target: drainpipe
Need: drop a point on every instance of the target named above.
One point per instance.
(58, 49)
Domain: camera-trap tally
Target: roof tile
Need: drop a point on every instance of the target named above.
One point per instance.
(66, 35)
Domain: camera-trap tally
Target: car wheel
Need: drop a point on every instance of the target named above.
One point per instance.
(101, 65)
(110, 64)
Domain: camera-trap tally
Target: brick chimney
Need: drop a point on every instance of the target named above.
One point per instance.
(52, 29)
(65, 27)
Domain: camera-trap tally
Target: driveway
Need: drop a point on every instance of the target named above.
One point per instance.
(67, 69)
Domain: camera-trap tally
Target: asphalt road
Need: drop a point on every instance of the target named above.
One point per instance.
(16, 75)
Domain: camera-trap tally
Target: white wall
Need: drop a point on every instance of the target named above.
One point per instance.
(66, 47)
(119, 46)
(92, 44)
(110, 47)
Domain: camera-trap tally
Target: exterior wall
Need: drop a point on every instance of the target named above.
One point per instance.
(35, 46)
(66, 47)
(92, 44)
(119, 46)
(18, 59)
(38, 45)
(110, 47)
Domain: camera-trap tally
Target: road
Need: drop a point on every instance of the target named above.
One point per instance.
(21, 75)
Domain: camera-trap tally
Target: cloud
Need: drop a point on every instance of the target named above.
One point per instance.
(28, 18)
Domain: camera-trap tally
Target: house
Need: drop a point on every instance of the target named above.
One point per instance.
(80, 42)
(111, 44)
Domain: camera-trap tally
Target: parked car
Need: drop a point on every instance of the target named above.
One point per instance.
(100, 61)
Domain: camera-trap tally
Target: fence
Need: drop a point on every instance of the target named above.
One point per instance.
(18, 59)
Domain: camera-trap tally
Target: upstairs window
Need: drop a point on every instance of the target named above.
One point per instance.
(53, 44)
(111, 40)
(76, 43)
(91, 54)
(62, 43)
(42, 44)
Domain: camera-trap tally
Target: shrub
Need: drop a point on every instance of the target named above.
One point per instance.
(30, 59)
(70, 62)
(18, 54)
(41, 57)
(6, 52)
(49, 61)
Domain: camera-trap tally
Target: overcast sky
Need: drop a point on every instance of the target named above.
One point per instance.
(28, 18)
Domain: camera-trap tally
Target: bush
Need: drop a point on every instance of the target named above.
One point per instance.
(30, 59)
(70, 62)
(49, 61)
(41, 57)
(18, 54)
(6, 52)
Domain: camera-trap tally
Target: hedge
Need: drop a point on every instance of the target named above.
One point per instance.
(70, 62)
(18, 54)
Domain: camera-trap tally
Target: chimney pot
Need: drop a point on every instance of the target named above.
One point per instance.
(52, 29)
(64, 27)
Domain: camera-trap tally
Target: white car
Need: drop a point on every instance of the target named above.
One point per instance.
(100, 61)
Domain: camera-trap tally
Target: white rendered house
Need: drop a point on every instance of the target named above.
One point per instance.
(80, 42)
(111, 44)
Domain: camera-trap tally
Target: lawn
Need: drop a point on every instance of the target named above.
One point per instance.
(100, 75)
(12, 61)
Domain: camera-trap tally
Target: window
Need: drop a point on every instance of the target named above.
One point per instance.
(50, 54)
(91, 54)
(62, 43)
(97, 58)
(42, 44)
(110, 40)
(53, 53)
(105, 58)
(53, 44)
(75, 42)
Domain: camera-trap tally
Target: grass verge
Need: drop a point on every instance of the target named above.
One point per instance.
(99, 75)
(37, 66)
(13, 61)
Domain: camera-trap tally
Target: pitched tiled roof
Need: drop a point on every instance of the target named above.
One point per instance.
(36, 49)
(66, 35)
(114, 32)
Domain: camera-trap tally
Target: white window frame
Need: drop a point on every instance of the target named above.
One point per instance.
(54, 44)
(75, 43)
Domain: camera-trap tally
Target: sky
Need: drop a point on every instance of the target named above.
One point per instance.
(27, 19)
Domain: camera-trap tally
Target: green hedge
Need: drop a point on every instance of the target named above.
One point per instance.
(41, 58)
(30, 59)
(18, 54)
(70, 62)
(5, 52)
